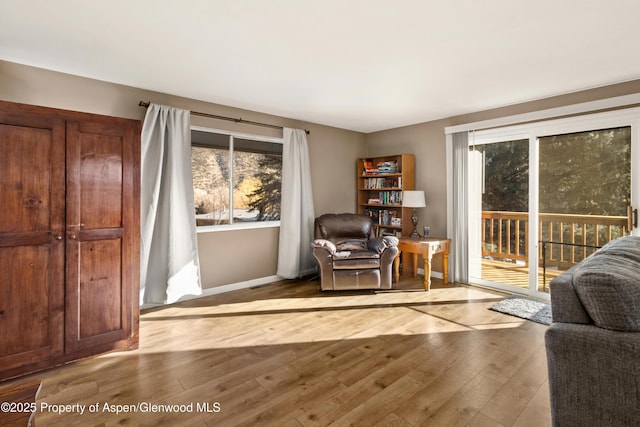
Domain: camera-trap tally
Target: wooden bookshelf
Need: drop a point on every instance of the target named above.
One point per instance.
(381, 181)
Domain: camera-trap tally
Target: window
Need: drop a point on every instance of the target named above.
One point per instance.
(236, 178)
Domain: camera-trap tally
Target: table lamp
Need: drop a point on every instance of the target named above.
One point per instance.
(414, 199)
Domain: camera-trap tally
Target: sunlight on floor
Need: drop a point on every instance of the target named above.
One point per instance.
(275, 321)
(287, 351)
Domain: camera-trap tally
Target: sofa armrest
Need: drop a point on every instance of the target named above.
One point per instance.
(566, 307)
(594, 375)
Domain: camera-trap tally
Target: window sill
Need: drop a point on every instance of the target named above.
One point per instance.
(238, 226)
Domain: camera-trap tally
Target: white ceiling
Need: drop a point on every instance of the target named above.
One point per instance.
(364, 65)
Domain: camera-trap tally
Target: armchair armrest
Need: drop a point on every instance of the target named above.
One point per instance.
(379, 244)
(323, 251)
(324, 244)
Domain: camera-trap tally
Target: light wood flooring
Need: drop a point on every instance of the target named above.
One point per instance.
(286, 354)
(21, 395)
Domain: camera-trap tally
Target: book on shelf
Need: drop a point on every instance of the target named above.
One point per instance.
(376, 183)
(386, 217)
(389, 166)
(368, 168)
(390, 197)
(386, 198)
(385, 167)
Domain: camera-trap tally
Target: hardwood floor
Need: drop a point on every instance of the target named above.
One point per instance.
(20, 396)
(287, 354)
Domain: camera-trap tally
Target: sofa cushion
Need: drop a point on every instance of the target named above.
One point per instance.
(627, 247)
(608, 285)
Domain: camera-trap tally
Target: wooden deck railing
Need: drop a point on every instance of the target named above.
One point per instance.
(568, 238)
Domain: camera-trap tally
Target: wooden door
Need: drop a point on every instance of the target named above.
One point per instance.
(32, 193)
(102, 228)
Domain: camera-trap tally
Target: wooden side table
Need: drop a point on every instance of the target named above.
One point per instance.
(427, 247)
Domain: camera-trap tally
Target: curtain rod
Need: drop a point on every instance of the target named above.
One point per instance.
(229, 119)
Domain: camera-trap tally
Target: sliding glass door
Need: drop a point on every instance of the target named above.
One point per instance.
(544, 196)
(584, 195)
(499, 197)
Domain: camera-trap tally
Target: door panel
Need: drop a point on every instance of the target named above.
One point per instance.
(100, 290)
(99, 234)
(26, 166)
(499, 214)
(31, 239)
(584, 192)
(101, 181)
(25, 331)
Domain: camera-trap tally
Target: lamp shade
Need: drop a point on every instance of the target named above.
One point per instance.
(413, 199)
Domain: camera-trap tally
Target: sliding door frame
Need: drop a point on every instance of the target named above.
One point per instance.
(533, 131)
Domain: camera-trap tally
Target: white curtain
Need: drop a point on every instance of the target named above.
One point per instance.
(296, 208)
(169, 267)
(460, 240)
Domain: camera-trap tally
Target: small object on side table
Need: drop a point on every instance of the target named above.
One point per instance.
(413, 199)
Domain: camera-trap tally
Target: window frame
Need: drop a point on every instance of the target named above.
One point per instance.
(237, 225)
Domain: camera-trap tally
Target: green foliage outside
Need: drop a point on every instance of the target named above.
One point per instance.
(265, 199)
(506, 176)
(256, 186)
(586, 173)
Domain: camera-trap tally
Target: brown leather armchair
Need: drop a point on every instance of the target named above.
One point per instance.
(349, 255)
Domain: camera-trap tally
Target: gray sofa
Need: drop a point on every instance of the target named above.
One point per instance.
(593, 343)
(349, 255)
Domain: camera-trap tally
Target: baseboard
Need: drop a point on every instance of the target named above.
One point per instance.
(232, 287)
(222, 289)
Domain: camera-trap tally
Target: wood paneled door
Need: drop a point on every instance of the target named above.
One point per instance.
(69, 236)
(32, 246)
(99, 226)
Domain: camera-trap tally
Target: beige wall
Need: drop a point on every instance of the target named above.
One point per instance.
(235, 256)
(226, 257)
